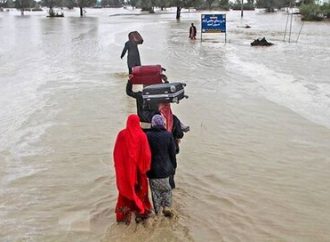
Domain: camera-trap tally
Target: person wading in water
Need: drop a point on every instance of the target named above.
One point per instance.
(133, 55)
(192, 31)
(132, 160)
(163, 164)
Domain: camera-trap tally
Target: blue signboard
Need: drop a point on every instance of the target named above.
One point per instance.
(213, 23)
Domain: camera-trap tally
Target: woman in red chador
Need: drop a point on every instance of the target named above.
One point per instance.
(132, 160)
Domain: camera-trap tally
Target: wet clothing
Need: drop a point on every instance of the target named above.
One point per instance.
(161, 193)
(132, 159)
(144, 112)
(133, 55)
(163, 164)
(125, 206)
(192, 32)
(163, 160)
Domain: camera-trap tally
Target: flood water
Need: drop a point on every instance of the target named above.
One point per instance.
(254, 167)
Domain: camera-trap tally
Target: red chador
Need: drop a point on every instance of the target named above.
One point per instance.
(132, 160)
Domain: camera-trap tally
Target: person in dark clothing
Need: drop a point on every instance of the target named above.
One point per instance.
(144, 112)
(192, 31)
(178, 134)
(173, 125)
(163, 164)
(133, 55)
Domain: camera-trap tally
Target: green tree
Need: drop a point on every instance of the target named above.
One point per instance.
(310, 12)
(115, 3)
(10, 4)
(22, 4)
(209, 3)
(85, 3)
(246, 6)
(162, 4)
(146, 5)
(179, 4)
(224, 4)
(271, 5)
(133, 3)
(70, 4)
(326, 9)
(307, 2)
(3, 3)
(268, 4)
(51, 4)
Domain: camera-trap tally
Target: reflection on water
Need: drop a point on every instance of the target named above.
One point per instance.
(254, 166)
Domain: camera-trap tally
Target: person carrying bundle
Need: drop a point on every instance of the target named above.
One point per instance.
(131, 47)
(144, 112)
(147, 111)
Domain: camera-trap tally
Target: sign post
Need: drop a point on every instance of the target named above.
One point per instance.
(213, 23)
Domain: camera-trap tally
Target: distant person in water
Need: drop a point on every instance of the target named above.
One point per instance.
(132, 160)
(133, 55)
(163, 164)
(192, 32)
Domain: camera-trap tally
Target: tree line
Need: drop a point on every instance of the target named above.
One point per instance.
(308, 8)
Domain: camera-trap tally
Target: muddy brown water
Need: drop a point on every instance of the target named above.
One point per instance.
(254, 167)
